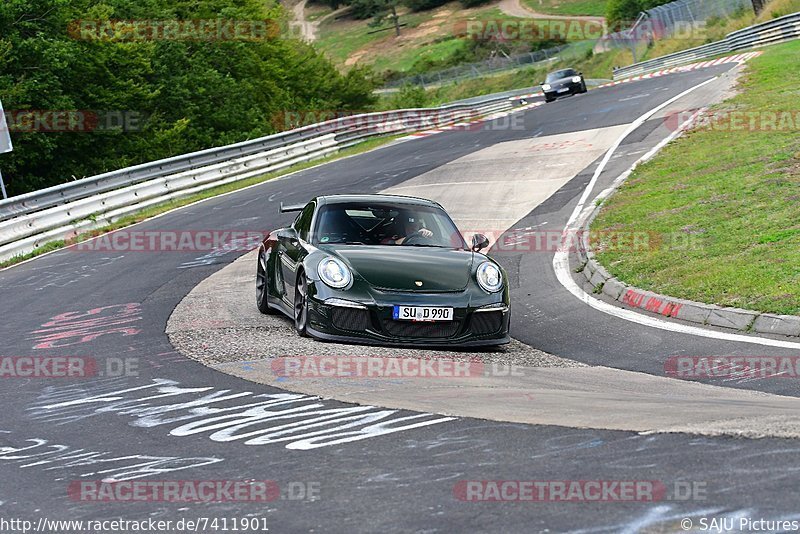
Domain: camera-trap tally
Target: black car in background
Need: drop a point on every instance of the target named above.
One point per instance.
(563, 83)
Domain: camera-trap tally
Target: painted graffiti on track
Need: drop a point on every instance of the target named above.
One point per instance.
(301, 422)
(77, 327)
(48, 456)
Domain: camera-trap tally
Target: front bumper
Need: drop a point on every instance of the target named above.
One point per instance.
(372, 323)
(566, 89)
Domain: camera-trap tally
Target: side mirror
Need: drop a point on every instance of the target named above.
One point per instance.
(479, 242)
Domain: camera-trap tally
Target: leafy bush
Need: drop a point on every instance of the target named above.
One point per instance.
(409, 96)
(423, 5)
(622, 12)
(474, 3)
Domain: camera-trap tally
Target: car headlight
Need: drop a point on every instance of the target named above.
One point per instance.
(334, 272)
(546, 87)
(489, 277)
(576, 79)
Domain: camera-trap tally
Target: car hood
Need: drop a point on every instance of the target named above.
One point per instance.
(561, 81)
(399, 268)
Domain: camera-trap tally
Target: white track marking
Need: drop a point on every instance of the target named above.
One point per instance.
(561, 258)
(634, 125)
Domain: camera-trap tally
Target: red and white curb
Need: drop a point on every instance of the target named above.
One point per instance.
(525, 97)
(470, 125)
(738, 58)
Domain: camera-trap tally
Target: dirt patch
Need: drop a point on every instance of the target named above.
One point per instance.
(418, 36)
(355, 57)
(428, 27)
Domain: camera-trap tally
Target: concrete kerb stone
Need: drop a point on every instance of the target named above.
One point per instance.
(614, 288)
(693, 312)
(588, 270)
(580, 253)
(735, 318)
(785, 325)
(600, 271)
(600, 276)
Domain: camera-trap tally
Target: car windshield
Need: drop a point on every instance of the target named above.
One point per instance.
(386, 224)
(559, 74)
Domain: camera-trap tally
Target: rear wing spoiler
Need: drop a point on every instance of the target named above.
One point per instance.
(296, 207)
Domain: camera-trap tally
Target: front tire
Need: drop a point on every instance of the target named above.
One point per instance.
(301, 305)
(262, 285)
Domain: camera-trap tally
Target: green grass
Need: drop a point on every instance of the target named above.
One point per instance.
(568, 7)
(404, 60)
(158, 209)
(726, 204)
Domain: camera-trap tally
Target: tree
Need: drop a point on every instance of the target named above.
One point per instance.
(185, 95)
(378, 11)
(622, 13)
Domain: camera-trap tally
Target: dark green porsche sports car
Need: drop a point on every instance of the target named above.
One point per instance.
(382, 269)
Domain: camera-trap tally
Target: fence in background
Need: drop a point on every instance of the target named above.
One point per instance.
(487, 67)
(779, 30)
(680, 19)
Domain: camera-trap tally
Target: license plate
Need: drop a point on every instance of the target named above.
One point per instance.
(422, 313)
(564, 90)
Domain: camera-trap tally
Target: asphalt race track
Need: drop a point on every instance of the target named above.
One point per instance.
(393, 470)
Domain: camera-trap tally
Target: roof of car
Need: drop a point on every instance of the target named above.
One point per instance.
(397, 199)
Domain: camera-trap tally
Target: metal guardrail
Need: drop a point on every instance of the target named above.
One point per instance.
(62, 212)
(779, 30)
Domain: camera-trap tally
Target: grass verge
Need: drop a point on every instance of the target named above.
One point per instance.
(158, 209)
(568, 7)
(724, 199)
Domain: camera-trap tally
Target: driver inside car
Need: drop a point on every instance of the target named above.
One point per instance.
(412, 226)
